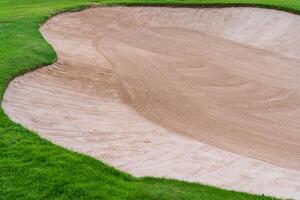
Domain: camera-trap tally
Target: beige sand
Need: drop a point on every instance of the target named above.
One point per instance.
(132, 83)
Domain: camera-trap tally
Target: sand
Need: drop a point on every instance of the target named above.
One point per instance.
(203, 95)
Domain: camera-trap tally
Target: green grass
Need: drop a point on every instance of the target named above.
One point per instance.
(32, 168)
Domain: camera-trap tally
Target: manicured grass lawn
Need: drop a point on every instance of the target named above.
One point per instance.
(32, 168)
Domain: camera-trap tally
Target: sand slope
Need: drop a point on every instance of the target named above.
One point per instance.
(131, 83)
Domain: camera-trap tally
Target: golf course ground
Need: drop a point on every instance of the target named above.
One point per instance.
(34, 168)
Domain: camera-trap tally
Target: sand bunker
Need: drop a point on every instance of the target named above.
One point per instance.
(204, 95)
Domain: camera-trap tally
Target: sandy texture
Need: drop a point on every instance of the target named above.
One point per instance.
(131, 84)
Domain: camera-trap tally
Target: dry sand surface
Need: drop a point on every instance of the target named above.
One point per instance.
(204, 95)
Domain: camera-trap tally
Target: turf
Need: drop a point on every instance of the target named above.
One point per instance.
(33, 168)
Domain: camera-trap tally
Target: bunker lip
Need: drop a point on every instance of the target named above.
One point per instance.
(193, 94)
